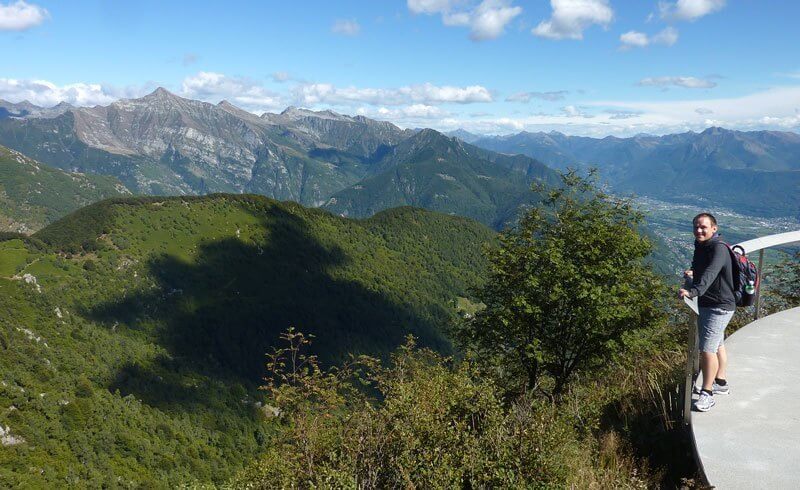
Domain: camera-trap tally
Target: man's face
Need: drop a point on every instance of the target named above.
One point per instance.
(704, 229)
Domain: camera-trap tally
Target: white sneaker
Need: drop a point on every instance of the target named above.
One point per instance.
(720, 389)
(717, 389)
(705, 402)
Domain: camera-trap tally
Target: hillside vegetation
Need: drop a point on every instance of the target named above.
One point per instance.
(33, 195)
(134, 330)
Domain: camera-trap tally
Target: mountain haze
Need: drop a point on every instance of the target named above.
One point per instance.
(753, 172)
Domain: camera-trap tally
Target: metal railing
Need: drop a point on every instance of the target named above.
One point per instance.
(692, 358)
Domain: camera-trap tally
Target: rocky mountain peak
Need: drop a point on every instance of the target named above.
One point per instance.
(161, 93)
(294, 113)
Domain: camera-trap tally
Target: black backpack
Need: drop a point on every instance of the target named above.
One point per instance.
(745, 277)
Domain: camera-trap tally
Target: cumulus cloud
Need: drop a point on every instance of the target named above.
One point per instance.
(689, 10)
(685, 82)
(47, 94)
(431, 6)
(771, 109)
(318, 93)
(634, 39)
(414, 112)
(487, 20)
(666, 37)
(617, 114)
(20, 16)
(573, 111)
(346, 27)
(243, 92)
(571, 17)
(526, 97)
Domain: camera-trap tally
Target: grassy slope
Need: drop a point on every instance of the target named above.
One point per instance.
(138, 359)
(33, 194)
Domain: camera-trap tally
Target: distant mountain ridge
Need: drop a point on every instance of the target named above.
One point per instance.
(434, 171)
(754, 172)
(165, 144)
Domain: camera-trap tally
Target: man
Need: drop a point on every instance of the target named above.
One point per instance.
(712, 282)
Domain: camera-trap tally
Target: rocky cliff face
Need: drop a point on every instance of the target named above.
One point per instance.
(166, 144)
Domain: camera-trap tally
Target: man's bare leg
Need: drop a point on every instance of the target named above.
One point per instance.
(722, 361)
(709, 365)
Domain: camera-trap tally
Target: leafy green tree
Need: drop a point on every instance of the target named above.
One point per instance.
(567, 288)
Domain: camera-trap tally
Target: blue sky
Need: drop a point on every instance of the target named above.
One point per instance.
(594, 67)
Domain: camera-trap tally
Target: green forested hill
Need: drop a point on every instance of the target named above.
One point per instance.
(133, 331)
(33, 194)
(433, 171)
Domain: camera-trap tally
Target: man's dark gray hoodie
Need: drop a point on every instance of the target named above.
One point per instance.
(712, 275)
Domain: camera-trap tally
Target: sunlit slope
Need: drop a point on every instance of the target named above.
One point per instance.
(134, 331)
(33, 194)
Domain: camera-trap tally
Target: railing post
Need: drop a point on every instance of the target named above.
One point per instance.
(692, 360)
(760, 285)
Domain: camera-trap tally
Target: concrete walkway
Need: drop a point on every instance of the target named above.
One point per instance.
(751, 438)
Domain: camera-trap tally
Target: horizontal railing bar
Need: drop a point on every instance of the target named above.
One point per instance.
(757, 244)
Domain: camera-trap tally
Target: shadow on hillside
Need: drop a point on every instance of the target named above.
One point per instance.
(219, 315)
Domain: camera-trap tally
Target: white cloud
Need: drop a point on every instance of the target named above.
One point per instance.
(243, 92)
(281, 76)
(689, 10)
(490, 18)
(573, 111)
(770, 109)
(686, 82)
(47, 94)
(346, 27)
(414, 112)
(432, 6)
(19, 16)
(634, 39)
(487, 20)
(666, 37)
(617, 114)
(319, 93)
(571, 17)
(526, 97)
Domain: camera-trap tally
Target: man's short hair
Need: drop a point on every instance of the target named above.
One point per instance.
(707, 215)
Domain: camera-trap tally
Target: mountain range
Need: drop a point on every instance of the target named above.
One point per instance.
(751, 172)
(164, 144)
(167, 145)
